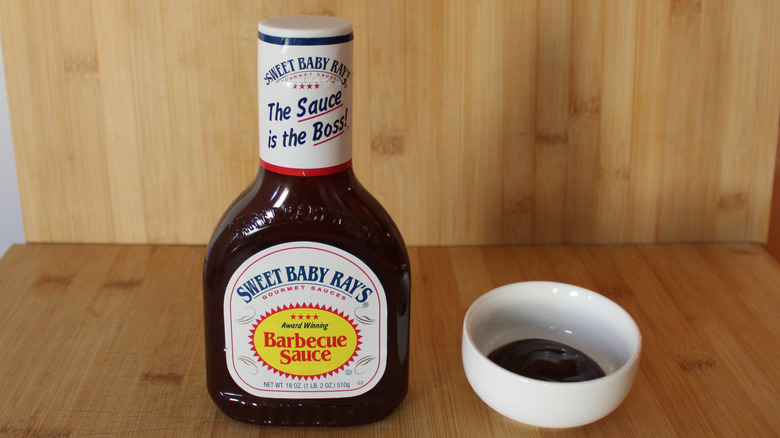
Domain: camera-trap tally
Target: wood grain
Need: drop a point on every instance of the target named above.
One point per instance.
(773, 239)
(507, 122)
(108, 340)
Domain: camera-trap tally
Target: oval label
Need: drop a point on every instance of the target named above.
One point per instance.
(305, 341)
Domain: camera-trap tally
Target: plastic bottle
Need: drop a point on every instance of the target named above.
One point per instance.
(306, 278)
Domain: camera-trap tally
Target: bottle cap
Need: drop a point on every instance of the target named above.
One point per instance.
(304, 69)
(304, 26)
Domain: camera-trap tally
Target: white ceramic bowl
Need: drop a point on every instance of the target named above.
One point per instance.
(560, 312)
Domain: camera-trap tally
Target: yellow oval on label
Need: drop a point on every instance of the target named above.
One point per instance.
(305, 341)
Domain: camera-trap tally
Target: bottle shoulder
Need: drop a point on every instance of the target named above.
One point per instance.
(334, 210)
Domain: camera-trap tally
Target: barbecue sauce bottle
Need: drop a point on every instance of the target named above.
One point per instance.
(306, 278)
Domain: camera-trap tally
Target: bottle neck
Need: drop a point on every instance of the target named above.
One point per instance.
(285, 189)
(305, 96)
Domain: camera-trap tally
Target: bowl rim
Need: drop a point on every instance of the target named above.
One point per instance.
(492, 367)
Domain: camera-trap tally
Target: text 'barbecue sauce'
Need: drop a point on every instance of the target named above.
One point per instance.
(306, 278)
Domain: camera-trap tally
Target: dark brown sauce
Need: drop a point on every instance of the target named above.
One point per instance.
(546, 360)
(333, 209)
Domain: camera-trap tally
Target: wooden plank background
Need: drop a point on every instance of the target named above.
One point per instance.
(135, 121)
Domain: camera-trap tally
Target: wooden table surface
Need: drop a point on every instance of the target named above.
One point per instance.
(108, 340)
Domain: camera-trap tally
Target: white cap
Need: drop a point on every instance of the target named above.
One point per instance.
(305, 26)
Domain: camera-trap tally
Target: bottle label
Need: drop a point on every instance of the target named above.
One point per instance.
(305, 320)
(304, 104)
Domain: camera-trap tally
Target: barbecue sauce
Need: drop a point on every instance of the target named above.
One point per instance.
(546, 360)
(306, 278)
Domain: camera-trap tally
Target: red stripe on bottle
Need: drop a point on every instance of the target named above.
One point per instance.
(306, 172)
